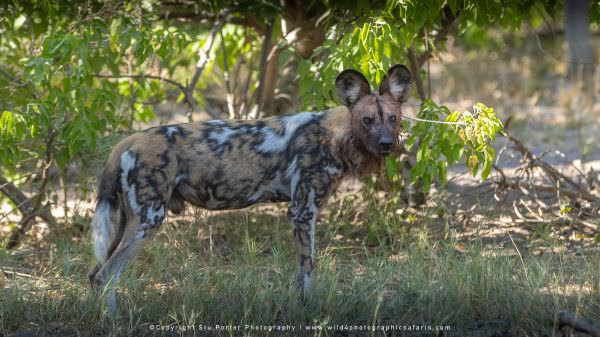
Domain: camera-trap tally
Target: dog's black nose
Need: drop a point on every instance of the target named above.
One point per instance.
(386, 144)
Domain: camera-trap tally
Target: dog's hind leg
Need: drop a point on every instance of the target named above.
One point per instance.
(107, 236)
(136, 234)
(146, 180)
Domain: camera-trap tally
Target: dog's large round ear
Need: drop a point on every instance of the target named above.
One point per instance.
(351, 86)
(396, 83)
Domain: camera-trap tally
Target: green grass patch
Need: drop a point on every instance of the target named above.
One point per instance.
(248, 278)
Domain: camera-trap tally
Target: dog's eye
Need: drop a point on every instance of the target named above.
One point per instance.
(367, 120)
(393, 118)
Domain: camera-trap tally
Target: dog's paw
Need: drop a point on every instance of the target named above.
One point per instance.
(96, 283)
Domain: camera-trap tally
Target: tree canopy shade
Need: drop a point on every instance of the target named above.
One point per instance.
(75, 75)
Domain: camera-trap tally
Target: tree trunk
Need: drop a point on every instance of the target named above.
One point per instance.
(581, 55)
(301, 28)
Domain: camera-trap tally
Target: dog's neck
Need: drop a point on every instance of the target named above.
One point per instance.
(356, 160)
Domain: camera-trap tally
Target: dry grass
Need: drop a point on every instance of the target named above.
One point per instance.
(381, 270)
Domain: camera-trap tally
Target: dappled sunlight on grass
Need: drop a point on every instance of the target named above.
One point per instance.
(249, 277)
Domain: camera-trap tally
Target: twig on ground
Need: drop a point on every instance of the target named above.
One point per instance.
(552, 173)
(530, 161)
(536, 179)
(8, 272)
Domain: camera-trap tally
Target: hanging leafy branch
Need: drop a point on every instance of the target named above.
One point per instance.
(467, 134)
(55, 107)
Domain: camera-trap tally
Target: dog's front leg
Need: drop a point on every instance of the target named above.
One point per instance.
(303, 215)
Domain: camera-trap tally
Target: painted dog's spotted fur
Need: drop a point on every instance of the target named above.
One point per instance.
(234, 164)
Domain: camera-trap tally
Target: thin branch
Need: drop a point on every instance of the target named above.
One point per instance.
(142, 76)
(245, 107)
(11, 78)
(204, 18)
(22, 202)
(558, 59)
(339, 35)
(17, 82)
(188, 100)
(204, 55)
(415, 70)
(428, 64)
(229, 95)
(7, 272)
(550, 27)
(28, 220)
(13, 193)
(240, 62)
(132, 93)
(432, 121)
(518, 252)
(447, 23)
(266, 47)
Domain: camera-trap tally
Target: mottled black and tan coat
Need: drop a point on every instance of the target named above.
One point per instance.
(218, 165)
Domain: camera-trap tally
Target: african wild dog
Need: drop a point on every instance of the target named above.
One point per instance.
(220, 165)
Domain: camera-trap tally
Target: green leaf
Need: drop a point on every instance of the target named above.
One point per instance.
(391, 167)
(19, 21)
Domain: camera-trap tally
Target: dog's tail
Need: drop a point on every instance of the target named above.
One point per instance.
(106, 226)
